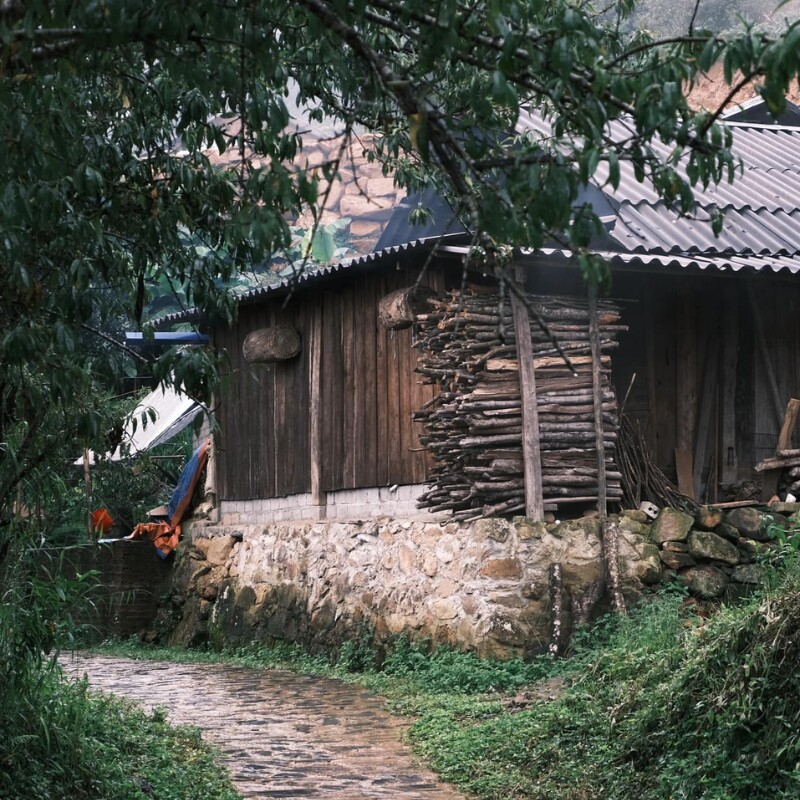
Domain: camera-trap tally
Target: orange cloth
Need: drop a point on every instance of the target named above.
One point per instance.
(163, 535)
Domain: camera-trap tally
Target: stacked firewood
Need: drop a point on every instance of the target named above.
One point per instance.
(473, 426)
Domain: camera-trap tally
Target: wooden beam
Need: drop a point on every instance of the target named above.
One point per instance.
(534, 503)
(597, 398)
(318, 496)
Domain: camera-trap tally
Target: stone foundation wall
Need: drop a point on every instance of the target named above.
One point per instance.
(481, 586)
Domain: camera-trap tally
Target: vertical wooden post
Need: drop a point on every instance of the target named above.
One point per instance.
(87, 481)
(534, 502)
(210, 487)
(597, 397)
(686, 399)
(318, 496)
(730, 346)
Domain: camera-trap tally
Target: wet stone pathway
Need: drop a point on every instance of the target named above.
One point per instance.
(282, 735)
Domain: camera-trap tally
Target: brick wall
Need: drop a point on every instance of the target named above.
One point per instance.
(346, 504)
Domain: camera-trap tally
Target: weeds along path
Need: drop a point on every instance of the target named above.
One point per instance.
(283, 735)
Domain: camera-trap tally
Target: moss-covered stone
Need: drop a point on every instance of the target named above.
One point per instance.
(706, 581)
(671, 525)
(707, 545)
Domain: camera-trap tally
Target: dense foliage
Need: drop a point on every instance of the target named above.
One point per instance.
(98, 747)
(113, 115)
(56, 739)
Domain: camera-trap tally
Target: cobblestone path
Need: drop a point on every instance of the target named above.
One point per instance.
(282, 735)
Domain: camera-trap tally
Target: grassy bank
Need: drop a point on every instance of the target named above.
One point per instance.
(82, 746)
(58, 741)
(659, 704)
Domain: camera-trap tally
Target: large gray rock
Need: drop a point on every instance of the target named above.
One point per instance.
(728, 531)
(707, 545)
(748, 573)
(671, 525)
(705, 581)
(746, 520)
(756, 525)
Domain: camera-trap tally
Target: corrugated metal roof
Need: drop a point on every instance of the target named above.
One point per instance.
(311, 276)
(761, 229)
(645, 227)
(761, 205)
(734, 262)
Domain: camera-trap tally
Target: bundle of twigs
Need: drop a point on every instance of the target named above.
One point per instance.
(474, 425)
(641, 478)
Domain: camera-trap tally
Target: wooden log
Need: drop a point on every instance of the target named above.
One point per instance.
(268, 345)
(777, 463)
(611, 558)
(507, 466)
(397, 309)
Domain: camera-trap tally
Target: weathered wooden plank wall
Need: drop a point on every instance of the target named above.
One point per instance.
(263, 445)
(369, 390)
(741, 425)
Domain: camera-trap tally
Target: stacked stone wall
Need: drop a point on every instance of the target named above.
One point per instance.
(481, 586)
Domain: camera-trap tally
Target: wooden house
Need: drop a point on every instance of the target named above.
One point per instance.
(706, 367)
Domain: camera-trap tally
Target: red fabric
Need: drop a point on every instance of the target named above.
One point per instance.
(102, 521)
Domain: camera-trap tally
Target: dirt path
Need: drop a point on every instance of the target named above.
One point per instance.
(283, 735)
